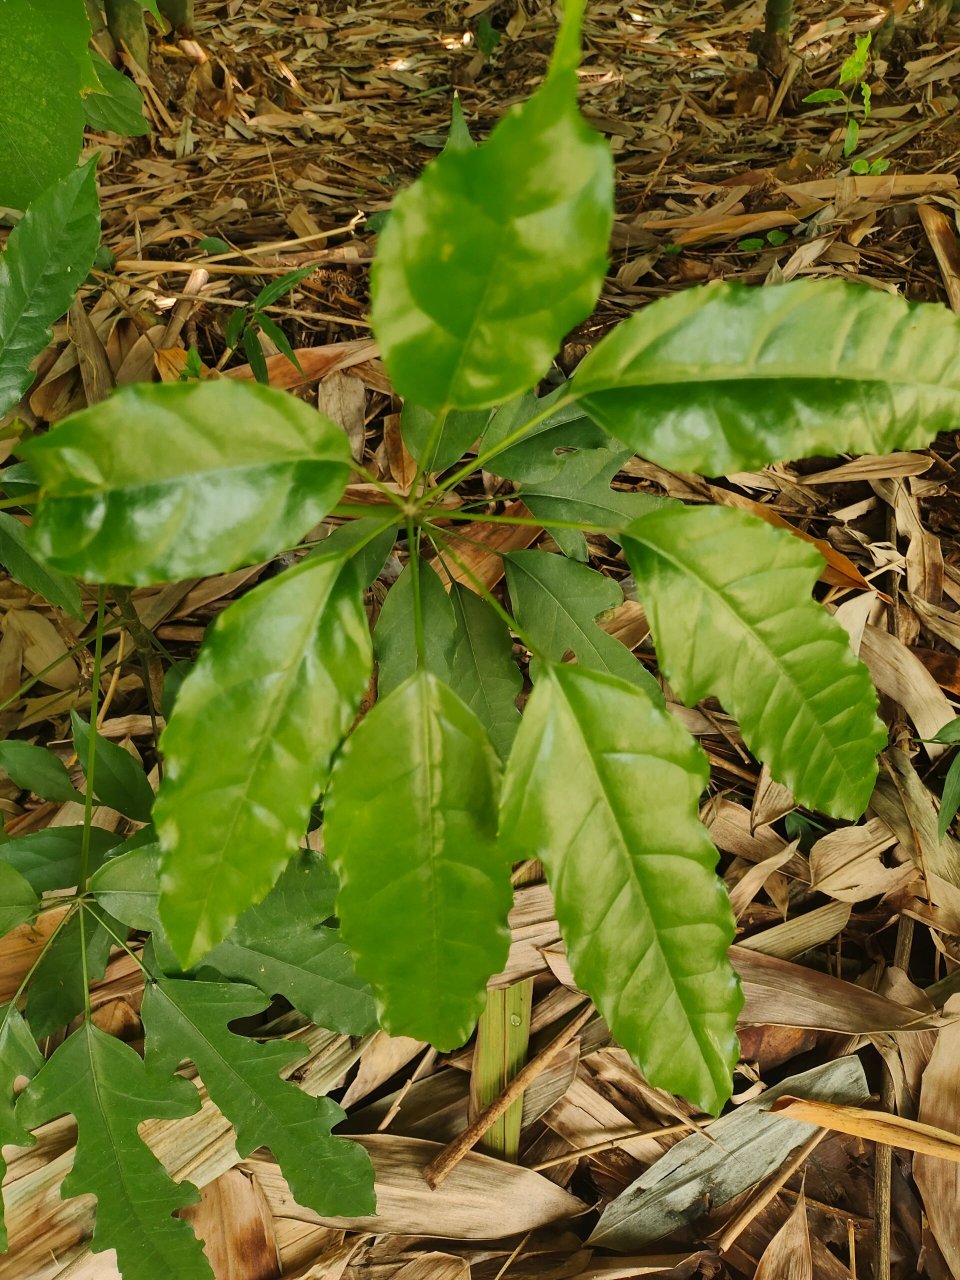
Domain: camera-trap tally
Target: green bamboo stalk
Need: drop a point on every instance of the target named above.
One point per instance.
(779, 15)
(179, 13)
(503, 1034)
(126, 25)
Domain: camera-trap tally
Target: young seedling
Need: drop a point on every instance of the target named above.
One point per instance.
(856, 102)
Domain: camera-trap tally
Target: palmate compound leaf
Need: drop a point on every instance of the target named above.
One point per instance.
(498, 250)
(556, 602)
(249, 744)
(287, 945)
(729, 603)
(48, 256)
(410, 827)
(175, 481)
(19, 1058)
(191, 1019)
(109, 1090)
(603, 786)
(729, 378)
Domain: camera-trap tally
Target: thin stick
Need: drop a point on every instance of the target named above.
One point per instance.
(451, 1155)
(743, 1220)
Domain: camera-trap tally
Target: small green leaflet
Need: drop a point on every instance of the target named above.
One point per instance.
(411, 833)
(57, 991)
(579, 492)
(38, 770)
(18, 902)
(556, 601)
(109, 1090)
(447, 441)
(950, 799)
(728, 598)
(368, 541)
(118, 780)
(248, 748)
(728, 378)
(483, 671)
(19, 1056)
(18, 559)
(534, 457)
(498, 250)
(177, 480)
(48, 256)
(118, 108)
(394, 639)
(182, 1018)
(50, 859)
(603, 785)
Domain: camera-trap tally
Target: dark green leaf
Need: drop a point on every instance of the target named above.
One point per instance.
(459, 138)
(327, 1174)
(248, 748)
(38, 770)
(368, 540)
(459, 429)
(50, 859)
(535, 456)
(279, 340)
(949, 733)
(603, 785)
(41, 116)
(950, 800)
(254, 353)
(238, 318)
(826, 95)
(118, 780)
(394, 639)
(498, 250)
(18, 559)
(174, 481)
(488, 37)
(213, 244)
(579, 492)
(128, 887)
(19, 1057)
(18, 902)
(729, 378)
(411, 832)
(483, 671)
(119, 107)
(48, 256)
(105, 1085)
(57, 991)
(555, 601)
(18, 479)
(852, 139)
(728, 598)
(275, 290)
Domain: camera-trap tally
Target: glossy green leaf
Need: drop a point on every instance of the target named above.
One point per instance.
(118, 107)
(128, 887)
(19, 1057)
(48, 256)
(50, 859)
(394, 637)
(579, 492)
(603, 785)
(175, 481)
(57, 991)
(18, 902)
(17, 557)
(411, 831)
(437, 444)
(497, 251)
(728, 598)
(729, 378)
(38, 770)
(368, 541)
(182, 1018)
(556, 602)
(483, 671)
(107, 1087)
(950, 733)
(118, 779)
(41, 117)
(248, 747)
(950, 799)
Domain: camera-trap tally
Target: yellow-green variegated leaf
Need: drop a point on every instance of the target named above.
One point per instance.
(728, 598)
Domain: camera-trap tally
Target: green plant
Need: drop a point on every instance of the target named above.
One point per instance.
(442, 787)
(246, 324)
(853, 72)
(950, 798)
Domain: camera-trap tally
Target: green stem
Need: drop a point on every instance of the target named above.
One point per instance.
(25, 500)
(413, 551)
(529, 522)
(91, 758)
(779, 15)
